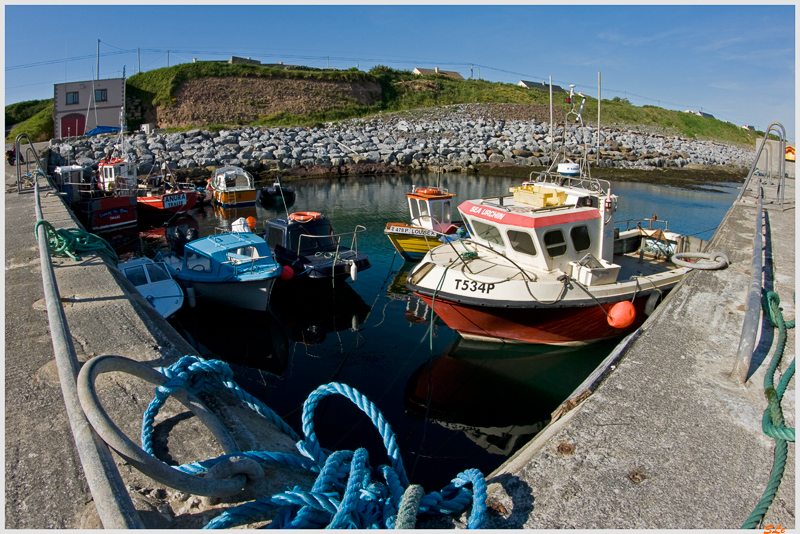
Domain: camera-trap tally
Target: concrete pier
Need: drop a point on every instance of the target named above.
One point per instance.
(45, 486)
(667, 440)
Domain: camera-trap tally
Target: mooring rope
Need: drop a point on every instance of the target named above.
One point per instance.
(772, 423)
(343, 495)
(73, 241)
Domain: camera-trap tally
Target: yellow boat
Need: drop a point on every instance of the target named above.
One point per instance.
(232, 187)
(430, 218)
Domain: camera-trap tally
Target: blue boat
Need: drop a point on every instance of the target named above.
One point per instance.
(235, 269)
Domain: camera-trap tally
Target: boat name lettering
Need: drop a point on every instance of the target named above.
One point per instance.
(412, 231)
(472, 285)
(173, 201)
(115, 211)
(487, 212)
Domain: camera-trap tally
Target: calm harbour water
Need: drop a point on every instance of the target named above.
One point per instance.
(452, 404)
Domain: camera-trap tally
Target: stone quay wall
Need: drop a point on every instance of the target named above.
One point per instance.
(451, 141)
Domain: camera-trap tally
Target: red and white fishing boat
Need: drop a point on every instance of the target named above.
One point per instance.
(548, 266)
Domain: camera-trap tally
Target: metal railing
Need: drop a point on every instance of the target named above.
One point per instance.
(108, 490)
(335, 238)
(781, 131)
(30, 150)
(752, 314)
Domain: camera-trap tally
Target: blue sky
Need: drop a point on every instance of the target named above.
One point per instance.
(736, 62)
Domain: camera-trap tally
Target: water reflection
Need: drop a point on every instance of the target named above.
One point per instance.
(499, 395)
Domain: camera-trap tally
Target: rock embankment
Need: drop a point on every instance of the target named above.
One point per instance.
(454, 138)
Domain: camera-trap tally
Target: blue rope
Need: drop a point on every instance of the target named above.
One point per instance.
(344, 494)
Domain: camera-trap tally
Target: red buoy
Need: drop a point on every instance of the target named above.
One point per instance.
(286, 273)
(621, 314)
(251, 222)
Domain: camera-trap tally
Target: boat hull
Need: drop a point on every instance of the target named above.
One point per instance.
(234, 199)
(167, 204)
(102, 213)
(541, 325)
(248, 295)
(411, 242)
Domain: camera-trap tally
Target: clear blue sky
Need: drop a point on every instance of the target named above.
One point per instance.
(735, 62)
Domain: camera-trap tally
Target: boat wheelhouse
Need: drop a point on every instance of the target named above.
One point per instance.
(540, 266)
(431, 223)
(306, 243)
(97, 208)
(232, 187)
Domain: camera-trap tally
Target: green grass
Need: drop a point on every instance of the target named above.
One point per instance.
(401, 90)
(39, 127)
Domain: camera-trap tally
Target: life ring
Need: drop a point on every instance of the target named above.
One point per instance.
(429, 191)
(305, 216)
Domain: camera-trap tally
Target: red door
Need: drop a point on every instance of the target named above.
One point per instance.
(72, 125)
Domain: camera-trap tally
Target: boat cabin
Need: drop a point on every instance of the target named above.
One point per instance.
(117, 175)
(551, 224)
(232, 179)
(70, 181)
(306, 242)
(431, 209)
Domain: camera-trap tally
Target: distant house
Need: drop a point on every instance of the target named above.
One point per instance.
(748, 127)
(241, 60)
(427, 72)
(544, 86)
(79, 107)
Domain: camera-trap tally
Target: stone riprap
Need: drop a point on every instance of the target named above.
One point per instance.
(452, 141)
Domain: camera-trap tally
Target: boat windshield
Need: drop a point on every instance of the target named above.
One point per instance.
(157, 272)
(311, 238)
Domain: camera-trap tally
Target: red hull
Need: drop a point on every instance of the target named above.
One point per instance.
(170, 203)
(108, 212)
(549, 326)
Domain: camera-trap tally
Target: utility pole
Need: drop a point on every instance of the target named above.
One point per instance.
(167, 58)
(138, 62)
(329, 61)
(98, 59)
(471, 67)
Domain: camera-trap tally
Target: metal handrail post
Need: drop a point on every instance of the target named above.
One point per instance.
(110, 496)
(782, 134)
(752, 315)
(18, 153)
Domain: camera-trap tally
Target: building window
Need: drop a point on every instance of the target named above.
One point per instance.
(72, 98)
(100, 95)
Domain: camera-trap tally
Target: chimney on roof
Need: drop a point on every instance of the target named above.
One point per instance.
(436, 69)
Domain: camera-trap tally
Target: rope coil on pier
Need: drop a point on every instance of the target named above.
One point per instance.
(772, 422)
(343, 496)
(714, 260)
(73, 241)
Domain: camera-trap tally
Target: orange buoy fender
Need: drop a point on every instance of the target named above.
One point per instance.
(286, 273)
(251, 222)
(305, 216)
(621, 314)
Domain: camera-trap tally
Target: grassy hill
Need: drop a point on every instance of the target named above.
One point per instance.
(331, 95)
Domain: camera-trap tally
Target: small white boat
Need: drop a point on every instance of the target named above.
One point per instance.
(153, 281)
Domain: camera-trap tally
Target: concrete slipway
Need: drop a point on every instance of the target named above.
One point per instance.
(666, 440)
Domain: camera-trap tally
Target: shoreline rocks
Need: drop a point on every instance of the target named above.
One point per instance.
(455, 139)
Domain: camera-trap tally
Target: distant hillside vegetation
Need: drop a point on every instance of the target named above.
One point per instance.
(216, 95)
(34, 117)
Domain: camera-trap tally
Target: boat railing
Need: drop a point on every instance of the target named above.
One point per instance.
(638, 223)
(595, 185)
(109, 493)
(336, 238)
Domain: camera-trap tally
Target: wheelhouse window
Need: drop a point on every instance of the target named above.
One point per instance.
(446, 212)
(275, 237)
(72, 98)
(101, 95)
(414, 208)
(487, 231)
(580, 238)
(522, 242)
(157, 272)
(436, 212)
(198, 262)
(136, 275)
(554, 243)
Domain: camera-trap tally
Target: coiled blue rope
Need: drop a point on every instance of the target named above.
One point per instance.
(344, 494)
